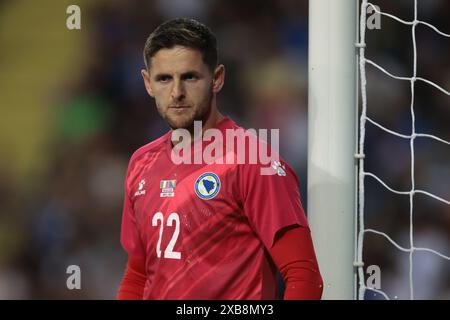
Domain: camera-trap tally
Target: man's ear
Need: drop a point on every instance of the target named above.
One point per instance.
(147, 83)
(219, 78)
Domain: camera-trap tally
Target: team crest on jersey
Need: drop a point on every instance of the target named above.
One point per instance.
(207, 186)
(167, 188)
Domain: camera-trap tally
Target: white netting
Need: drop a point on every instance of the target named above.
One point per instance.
(363, 121)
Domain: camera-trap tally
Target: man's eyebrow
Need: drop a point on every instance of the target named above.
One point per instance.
(161, 75)
(194, 72)
(185, 74)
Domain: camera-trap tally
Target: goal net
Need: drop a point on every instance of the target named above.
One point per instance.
(404, 160)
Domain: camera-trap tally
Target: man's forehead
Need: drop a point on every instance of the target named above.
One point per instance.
(177, 59)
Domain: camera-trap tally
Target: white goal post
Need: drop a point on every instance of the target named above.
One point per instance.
(332, 142)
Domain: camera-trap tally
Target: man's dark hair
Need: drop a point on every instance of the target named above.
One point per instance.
(182, 32)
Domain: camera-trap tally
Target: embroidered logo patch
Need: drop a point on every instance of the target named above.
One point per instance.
(207, 186)
(167, 188)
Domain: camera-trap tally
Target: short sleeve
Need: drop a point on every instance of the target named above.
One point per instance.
(130, 238)
(271, 202)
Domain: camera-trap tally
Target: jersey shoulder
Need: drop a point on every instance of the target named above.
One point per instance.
(149, 148)
(142, 157)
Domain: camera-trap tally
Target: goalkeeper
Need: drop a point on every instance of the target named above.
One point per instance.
(209, 230)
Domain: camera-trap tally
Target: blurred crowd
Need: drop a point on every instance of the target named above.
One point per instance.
(73, 215)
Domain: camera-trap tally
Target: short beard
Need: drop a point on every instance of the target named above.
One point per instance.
(202, 114)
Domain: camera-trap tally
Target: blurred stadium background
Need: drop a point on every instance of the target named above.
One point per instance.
(74, 108)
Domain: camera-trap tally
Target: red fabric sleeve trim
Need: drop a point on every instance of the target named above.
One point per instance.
(133, 282)
(293, 254)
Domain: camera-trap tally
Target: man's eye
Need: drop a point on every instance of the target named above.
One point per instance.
(190, 77)
(163, 79)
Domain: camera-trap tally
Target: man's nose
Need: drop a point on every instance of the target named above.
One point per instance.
(178, 92)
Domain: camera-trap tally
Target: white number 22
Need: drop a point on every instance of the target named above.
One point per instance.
(168, 253)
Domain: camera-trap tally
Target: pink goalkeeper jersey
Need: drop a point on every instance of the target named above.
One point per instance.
(205, 229)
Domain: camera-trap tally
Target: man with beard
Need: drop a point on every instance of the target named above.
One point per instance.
(207, 230)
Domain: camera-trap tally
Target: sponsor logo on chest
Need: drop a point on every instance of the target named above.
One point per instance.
(140, 191)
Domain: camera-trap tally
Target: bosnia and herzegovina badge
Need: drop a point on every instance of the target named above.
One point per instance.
(167, 188)
(207, 185)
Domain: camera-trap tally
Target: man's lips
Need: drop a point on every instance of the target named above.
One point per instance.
(179, 107)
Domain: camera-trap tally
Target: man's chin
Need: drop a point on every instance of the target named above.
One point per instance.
(180, 122)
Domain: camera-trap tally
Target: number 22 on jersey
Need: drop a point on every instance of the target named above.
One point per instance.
(158, 218)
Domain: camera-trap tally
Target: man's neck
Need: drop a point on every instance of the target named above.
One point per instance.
(214, 118)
